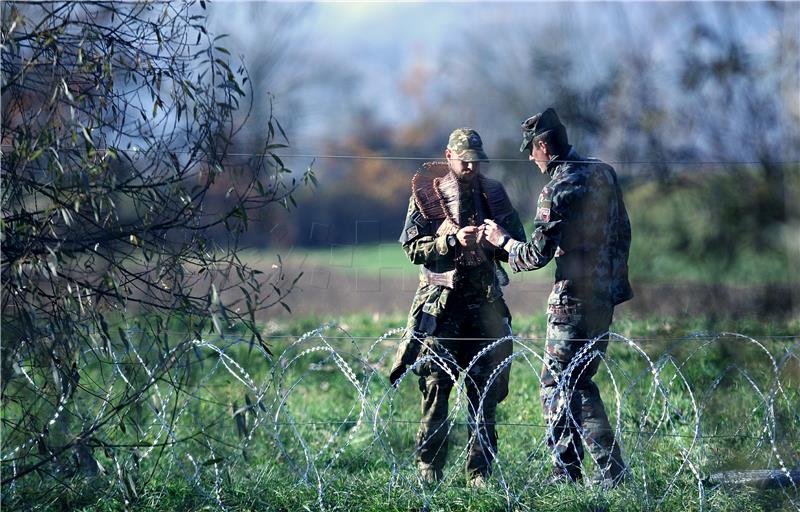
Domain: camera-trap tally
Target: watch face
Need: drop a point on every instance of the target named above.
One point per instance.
(451, 240)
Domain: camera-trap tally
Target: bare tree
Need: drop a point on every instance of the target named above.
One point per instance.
(121, 214)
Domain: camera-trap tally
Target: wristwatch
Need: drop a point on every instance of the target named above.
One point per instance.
(451, 240)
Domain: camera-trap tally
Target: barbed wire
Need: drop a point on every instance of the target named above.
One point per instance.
(206, 402)
(542, 338)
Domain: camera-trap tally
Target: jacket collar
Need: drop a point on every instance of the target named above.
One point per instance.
(556, 162)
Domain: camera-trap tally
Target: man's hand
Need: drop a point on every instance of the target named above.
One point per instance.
(407, 354)
(496, 235)
(468, 236)
(396, 373)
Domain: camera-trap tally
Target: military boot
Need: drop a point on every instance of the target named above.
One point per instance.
(562, 475)
(609, 479)
(429, 475)
(477, 481)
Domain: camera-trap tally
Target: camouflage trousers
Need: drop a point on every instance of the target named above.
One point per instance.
(572, 407)
(452, 351)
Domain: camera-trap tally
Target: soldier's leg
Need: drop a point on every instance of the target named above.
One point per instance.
(599, 435)
(561, 402)
(433, 428)
(482, 407)
(596, 429)
(437, 377)
(485, 388)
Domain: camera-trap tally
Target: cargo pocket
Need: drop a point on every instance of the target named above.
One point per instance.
(566, 317)
(564, 309)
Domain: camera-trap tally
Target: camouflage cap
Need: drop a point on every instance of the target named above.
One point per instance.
(466, 145)
(537, 125)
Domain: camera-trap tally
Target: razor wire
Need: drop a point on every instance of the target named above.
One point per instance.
(320, 408)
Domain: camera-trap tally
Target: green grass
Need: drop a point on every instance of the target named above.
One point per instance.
(356, 471)
(343, 258)
(650, 262)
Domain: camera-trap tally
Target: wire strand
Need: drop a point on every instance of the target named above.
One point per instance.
(321, 156)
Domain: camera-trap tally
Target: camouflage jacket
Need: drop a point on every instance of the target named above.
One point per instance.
(435, 213)
(581, 221)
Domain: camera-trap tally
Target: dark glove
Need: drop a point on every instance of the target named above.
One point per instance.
(396, 373)
(406, 355)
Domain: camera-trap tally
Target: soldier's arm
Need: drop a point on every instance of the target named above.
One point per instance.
(420, 242)
(536, 253)
(513, 225)
(507, 218)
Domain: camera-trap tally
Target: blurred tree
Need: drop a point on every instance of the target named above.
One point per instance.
(361, 198)
(268, 36)
(716, 90)
(741, 95)
(735, 113)
(117, 123)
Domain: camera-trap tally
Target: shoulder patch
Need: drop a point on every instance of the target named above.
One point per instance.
(545, 199)
(412, 232)
(543, 214)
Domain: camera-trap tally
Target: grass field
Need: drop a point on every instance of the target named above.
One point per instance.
(369, 259)
(647, 263)
(317, 427)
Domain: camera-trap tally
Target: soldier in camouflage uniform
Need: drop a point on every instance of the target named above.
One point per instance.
(458, 309)
(582, 222)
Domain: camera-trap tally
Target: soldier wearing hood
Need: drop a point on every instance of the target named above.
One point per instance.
(458, 310)
(582, 223)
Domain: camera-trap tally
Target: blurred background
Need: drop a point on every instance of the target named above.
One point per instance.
(697, 106)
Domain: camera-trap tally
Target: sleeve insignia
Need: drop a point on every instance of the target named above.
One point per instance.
(412, 232)
(545, 198)
(543, 214)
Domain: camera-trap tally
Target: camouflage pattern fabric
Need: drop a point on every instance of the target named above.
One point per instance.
(425, 247)
(456, 322)
(453, 352)
(571, 402)
(466, 145)
(581, 221)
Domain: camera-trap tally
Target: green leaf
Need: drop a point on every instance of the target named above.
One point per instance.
(215, 321)
(87, 136)
(124, 337)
